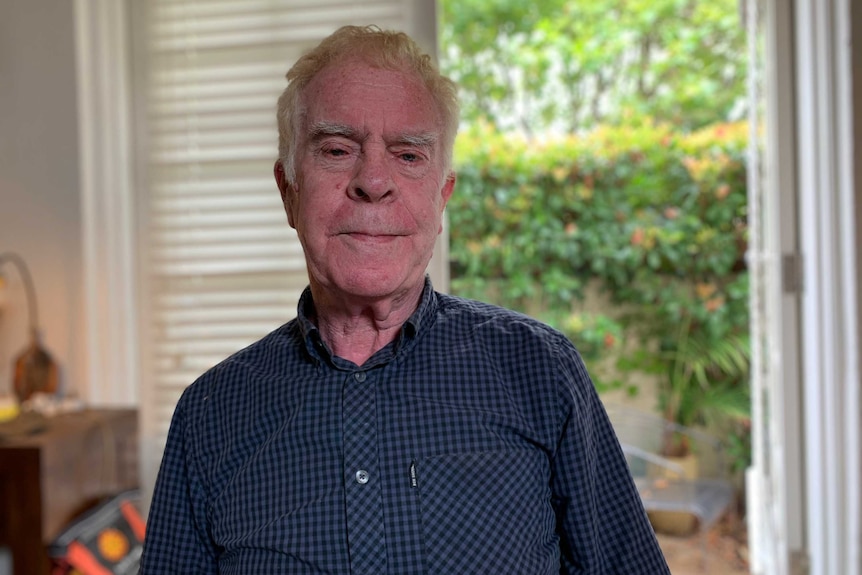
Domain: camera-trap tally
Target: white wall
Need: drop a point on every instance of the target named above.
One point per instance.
(40, 216)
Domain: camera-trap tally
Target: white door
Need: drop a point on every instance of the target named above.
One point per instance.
(828, 181)
(804, 484)
(775, 494)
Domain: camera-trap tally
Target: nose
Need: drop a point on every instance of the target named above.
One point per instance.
(372, 180)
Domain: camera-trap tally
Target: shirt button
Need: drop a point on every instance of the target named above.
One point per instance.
(362, 477)
(359, 376)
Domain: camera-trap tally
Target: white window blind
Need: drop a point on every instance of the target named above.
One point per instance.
(221, 266)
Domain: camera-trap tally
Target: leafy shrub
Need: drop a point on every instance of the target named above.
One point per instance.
(652, 218)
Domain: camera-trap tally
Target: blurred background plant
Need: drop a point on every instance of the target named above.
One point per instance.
(568, 65)
(602, 187)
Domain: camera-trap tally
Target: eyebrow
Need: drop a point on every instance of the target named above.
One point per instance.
(325, 129)
(423, 140)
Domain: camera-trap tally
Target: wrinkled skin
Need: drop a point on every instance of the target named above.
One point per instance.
(368, 200)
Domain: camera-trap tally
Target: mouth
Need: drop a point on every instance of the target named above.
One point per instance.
(373, 237)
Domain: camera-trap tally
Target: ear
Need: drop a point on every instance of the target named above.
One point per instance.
(448, 187)
(446, 193)
(286, 190)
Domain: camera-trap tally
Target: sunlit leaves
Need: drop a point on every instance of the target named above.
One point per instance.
(564, 65)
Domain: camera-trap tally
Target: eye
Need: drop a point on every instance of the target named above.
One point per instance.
(336, 152)
(410, 160)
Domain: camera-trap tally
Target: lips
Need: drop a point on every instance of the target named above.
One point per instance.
(372, 233)
(371, 237)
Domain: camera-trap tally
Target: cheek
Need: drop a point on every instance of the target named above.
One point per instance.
(435, 206)
(431, 220)
(319, 197)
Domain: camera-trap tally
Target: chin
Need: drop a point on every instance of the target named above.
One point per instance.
(371, 284)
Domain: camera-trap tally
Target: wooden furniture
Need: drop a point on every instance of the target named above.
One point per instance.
(53, 468)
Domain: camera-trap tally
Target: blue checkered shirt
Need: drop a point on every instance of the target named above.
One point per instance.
(474, 443)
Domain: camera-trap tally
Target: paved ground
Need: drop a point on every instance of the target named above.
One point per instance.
(726, 552)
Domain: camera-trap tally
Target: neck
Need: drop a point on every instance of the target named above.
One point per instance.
(357, 330)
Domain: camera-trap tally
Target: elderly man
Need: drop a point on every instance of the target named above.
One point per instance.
(389, 428)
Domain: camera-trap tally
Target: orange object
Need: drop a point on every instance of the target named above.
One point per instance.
(106, 540)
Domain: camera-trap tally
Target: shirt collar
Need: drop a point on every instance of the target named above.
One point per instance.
(420, 320)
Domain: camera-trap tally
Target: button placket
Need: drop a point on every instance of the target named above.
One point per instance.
(365, 529)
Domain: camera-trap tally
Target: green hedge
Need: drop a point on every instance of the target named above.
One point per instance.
(652, 218)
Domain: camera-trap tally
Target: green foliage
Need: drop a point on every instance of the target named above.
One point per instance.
(654, 219)
(598, 337)
(646, 205)
(739, 446)
(567, 65)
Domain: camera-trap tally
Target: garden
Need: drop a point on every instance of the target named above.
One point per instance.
(602, 188)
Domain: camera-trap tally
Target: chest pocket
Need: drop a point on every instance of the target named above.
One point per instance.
(487, 512)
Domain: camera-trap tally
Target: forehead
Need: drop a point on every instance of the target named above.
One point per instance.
(369, 98)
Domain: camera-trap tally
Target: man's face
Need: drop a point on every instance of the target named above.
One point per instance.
(370, 191)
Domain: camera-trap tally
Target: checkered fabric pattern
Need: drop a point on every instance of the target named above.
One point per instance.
(475, 443)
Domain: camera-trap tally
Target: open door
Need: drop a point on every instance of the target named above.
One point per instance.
(804, 483)
(774, 481)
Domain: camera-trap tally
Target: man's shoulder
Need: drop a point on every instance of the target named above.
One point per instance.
(522, 350)
(263, 358)
(475, 314)
(499, 327)
(265, 353)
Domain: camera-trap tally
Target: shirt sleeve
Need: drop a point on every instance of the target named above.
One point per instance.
(176, 540)
(602, 524)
